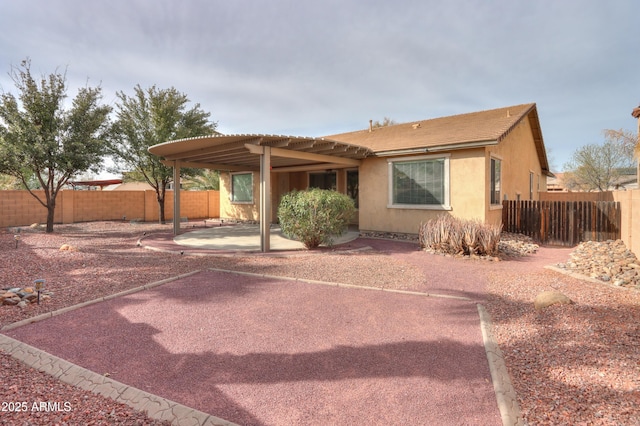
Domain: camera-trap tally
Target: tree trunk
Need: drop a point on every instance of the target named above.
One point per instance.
(161, 208)
(51, 208)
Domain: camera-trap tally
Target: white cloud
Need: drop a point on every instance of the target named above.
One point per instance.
(315, 68)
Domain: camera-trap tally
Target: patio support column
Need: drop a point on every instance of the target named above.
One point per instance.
(176, 198)
(265, 198)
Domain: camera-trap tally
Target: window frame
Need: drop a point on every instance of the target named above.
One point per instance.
(531, 182)
(446, 182)
(495, 200)
(333, 173)
(356, 198)
(232, 193)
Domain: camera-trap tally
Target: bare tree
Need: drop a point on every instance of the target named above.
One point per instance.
(624, 138)
(385, 122)
(597, 167)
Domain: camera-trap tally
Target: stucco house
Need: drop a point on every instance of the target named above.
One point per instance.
(399, 175)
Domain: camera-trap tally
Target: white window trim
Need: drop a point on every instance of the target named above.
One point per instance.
(532, 181)
(447, 188)
(499, 205)
(231, 184)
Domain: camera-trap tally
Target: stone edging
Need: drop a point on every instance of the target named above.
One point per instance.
(46, 315)
(505, 394)
(587, 278)
(155, 406)
(163, 409)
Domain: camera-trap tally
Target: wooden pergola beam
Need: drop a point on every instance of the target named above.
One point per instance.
(287, 153)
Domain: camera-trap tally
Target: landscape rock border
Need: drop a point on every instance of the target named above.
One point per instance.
(608, 262)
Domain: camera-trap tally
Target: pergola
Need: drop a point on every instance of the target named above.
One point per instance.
(263, 153)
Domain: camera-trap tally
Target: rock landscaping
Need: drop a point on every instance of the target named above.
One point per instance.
(21, 296)
(511, 245)
(609, 261)
(548, 298)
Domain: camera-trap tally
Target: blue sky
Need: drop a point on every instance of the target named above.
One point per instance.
(313, 68)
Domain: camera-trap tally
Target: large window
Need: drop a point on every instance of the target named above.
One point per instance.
(494, 188)
(323, 180)
(242, 187)
(421, 182)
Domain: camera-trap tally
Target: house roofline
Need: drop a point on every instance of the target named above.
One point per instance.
(437, 148)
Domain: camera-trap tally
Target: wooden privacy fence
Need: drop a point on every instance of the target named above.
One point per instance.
(564, 223)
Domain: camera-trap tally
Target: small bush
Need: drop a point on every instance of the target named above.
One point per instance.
(315, 216)
(450, 235)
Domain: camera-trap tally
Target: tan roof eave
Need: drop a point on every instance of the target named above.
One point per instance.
(211, 166)
(437, 148)
(288, 153)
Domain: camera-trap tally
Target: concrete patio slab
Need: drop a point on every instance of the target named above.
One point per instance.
(245, 237)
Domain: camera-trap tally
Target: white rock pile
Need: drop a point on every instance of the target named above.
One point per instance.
(608, 261)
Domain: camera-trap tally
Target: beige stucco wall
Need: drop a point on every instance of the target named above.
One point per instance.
(466, 194)
(281, 184)
(239, 211)
(469, 181)
(630, 226)
(469, 174)
(519, 158)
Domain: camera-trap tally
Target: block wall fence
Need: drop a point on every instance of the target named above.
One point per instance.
(629, 207)
(19, 208)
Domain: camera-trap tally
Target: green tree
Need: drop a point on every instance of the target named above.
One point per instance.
(207, 180)
(41, 140)
(150, 117)
(597, 167)
(8, 182)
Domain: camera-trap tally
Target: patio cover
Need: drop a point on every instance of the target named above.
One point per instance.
(252, 152)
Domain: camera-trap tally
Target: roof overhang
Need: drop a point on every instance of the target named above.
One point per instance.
(539, 142)
(438, 148)
(241, 152)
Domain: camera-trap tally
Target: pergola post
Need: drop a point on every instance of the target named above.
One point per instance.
(176, 198)
(265, 199)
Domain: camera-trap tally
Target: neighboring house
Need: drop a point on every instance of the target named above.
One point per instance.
(400, 175)
(626, 181)
(92, 185)
(556, 183)
(131, 186)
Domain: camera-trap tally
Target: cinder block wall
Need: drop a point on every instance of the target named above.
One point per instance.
(107, 205)
(19, 208)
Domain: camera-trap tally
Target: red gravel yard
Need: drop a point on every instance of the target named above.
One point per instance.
(264, 351)
(272, 350)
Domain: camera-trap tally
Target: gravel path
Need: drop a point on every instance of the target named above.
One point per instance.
(263, 351)
(575, 364)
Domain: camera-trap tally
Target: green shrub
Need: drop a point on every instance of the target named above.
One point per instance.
(448, 234)
(315, 216)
